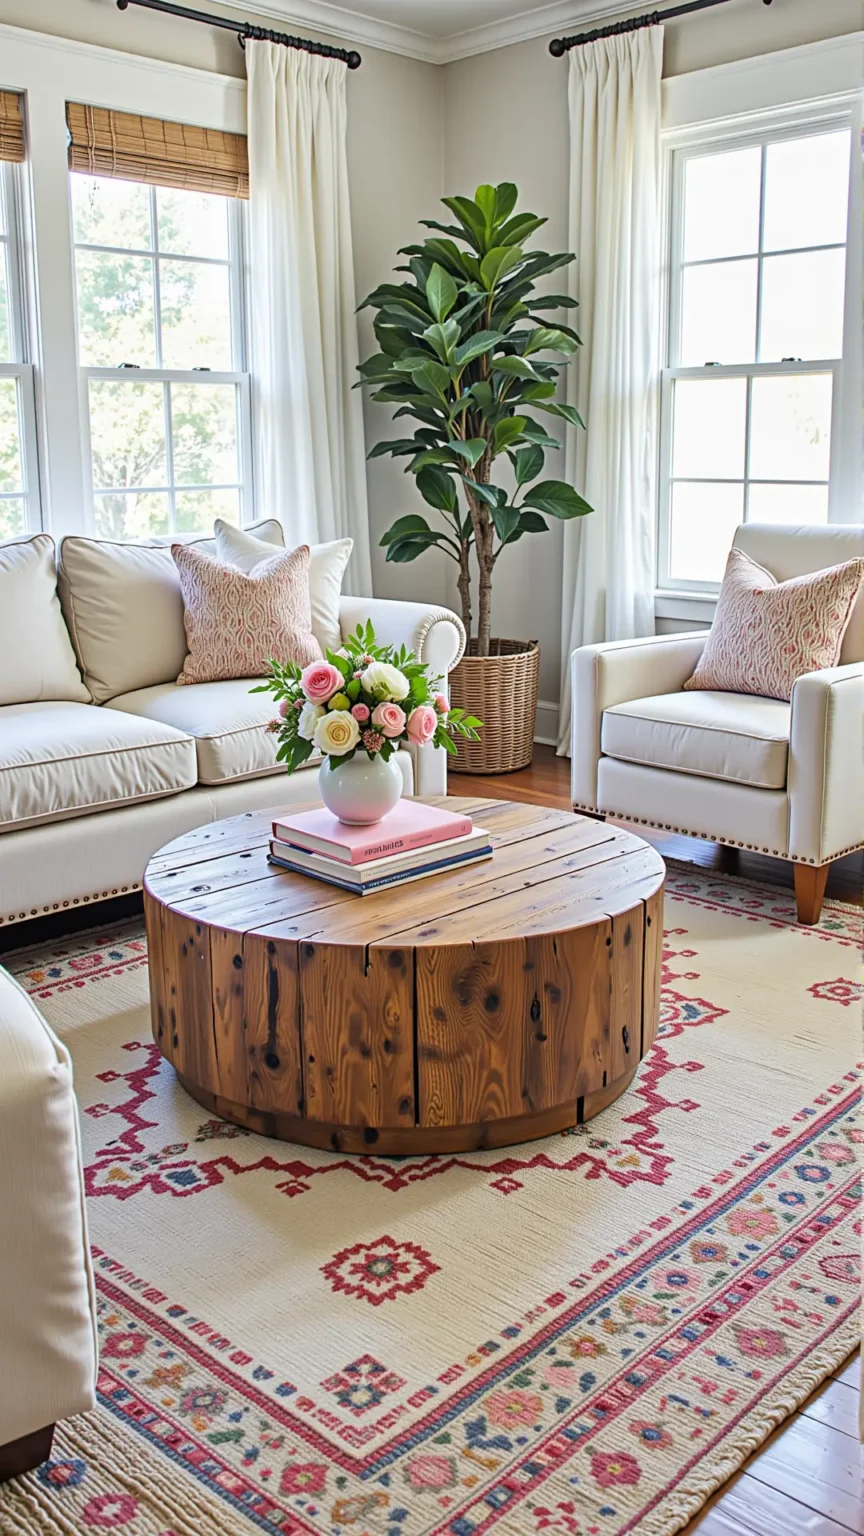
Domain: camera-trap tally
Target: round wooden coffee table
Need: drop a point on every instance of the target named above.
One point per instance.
(479, 1007)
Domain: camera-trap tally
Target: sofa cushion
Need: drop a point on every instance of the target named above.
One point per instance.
(327, 562)
(124, 609)
(63, 759)
(36, 656)
(732, 736)
(227, 723)
(235, 623)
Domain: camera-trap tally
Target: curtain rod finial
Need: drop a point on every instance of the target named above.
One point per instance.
(354, 60)
(556, 47)
(122, 5)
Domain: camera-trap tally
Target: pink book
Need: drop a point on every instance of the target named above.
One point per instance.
(410, 825)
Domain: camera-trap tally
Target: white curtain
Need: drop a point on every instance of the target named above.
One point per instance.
(311, 469)
(608, 590)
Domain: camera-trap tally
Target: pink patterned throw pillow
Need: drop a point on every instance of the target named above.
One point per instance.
(767, 633)
(236, 622)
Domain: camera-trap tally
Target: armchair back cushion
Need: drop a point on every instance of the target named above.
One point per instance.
(788, 550)
(36, 657)
(767, 633)
(124, 609)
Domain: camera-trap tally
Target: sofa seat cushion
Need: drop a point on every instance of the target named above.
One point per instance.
(63, 759)
(734, 736)
(226, 721)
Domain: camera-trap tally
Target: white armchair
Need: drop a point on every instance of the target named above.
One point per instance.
(783, 778)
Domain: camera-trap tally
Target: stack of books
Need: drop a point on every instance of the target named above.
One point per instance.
(413, 841)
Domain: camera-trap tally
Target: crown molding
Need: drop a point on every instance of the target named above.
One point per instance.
(561, 16)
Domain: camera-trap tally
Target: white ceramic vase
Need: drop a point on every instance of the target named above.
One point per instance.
(363, 790)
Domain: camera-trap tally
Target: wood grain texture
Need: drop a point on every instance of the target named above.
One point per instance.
(490, 996)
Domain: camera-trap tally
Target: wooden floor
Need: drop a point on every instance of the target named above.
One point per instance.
(806, 1480)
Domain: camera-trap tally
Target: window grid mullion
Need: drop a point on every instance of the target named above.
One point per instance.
(157, 286)
(760, 270)
(169, 457)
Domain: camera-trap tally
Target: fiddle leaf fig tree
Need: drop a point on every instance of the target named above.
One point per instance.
(466, 354)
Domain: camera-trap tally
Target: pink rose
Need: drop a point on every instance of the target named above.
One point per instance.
(320, 680)
(389, 719)
(422, 724)
(442, 703)
(360, 712)
(284, 706)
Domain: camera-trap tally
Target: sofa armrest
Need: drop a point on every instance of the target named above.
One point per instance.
(47, 1313)
(435, 635)
(615, 673)
(826, 764)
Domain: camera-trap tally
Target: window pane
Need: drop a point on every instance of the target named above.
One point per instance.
(704, 519)
(197, 510)
(718, 314)
(127, 433)
(110, 212)
(132, 516)
(790, 431)
(12, 518)
(204, 418)
(721, 204)
(709, 422)
(196, 315)
(788, 504)
(192, 223)
(11, 478)
(5, 331)
(115, 310)
(807, 191)
(802, 305)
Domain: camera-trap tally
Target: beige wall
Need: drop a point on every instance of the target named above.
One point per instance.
(505, 118)
(395, 171)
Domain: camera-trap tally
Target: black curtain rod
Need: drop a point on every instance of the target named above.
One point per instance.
(245, 30)
(561, 45)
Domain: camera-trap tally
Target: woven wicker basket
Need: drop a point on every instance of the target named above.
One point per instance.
(501, 690)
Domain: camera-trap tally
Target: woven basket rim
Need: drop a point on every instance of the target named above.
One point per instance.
(516, 648)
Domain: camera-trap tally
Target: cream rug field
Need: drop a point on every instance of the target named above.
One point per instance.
(581, 1336)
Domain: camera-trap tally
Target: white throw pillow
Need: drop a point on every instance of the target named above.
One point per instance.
(327, 562)
(37, 661)
(124, 609)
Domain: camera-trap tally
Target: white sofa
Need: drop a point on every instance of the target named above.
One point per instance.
(783, 778)
(48, 1349)
(103, 757)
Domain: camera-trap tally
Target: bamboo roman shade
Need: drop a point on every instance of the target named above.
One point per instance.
(103, 142)
(11, 127)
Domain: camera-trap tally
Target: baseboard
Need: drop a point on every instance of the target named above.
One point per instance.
(546, 723)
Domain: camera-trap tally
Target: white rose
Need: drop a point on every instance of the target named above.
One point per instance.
(310, 714)
(338, 732)
(384, 681)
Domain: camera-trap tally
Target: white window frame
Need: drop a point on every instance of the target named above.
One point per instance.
(696, 600)
(239, 377)
(21, 370)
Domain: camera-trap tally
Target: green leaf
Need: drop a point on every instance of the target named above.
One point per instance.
(557, 498)
(506, 432)
(558, 408)
(475, 346)
(506, 196)
(497, 263)
(395, 445)
(518, 229)
(433, 379)
(532, 522)
(413, 523)
(472, 449)
(555, 301)
(485, 198)
(437, 489)
(404, 550)
(535, 434)
(549, 339)
(443, 338)
(491, 494)
(482, 393)
(441, 291)
(506, 520)
(470, 218)
(528, 463)
(514, 367)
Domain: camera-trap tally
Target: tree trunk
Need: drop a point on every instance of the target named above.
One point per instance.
(464, 586)
(484, 540)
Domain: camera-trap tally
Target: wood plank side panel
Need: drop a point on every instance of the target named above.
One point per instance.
(156, 975)
(273, 1065)
(653, 969)
(356, 1022)
(625, 1022)
(189, 997)
(565, 1023)
(469, 1054)
(229, 1005)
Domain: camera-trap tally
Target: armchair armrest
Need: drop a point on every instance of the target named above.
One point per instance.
(615, 673)
(826, 764)
(436, 636)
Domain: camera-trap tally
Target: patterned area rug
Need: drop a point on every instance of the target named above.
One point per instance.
(581, 1336)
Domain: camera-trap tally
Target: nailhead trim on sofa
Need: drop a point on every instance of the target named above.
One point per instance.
(74, 901)
(710, 837)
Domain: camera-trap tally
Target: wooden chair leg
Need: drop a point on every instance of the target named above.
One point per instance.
(20, 1456)
(810, 880)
